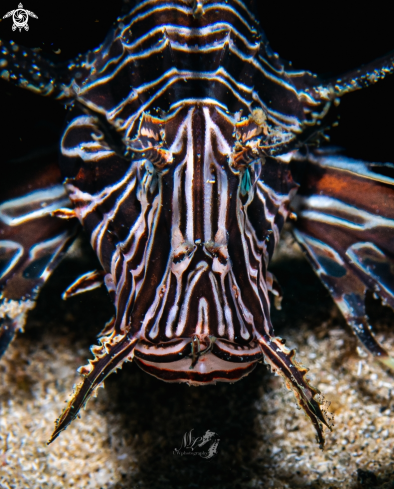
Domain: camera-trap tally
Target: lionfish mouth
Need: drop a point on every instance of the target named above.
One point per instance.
(199, 360)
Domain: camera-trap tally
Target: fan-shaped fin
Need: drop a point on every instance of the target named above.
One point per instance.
(353, 80)
(346, 226)
(31, 241)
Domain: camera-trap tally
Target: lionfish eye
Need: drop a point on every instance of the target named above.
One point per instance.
(251, 172)
(246, 182)
(147, 177)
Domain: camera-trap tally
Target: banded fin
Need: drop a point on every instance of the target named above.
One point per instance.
(28, 69)
(365, 76)
(346, 227)
(282, 362)
(109, 356)
(85, 283)
(32, 242)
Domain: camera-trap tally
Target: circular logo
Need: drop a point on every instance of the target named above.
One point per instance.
(20, 16)
(20, 19)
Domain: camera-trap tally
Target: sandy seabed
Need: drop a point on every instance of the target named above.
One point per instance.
(127, 436)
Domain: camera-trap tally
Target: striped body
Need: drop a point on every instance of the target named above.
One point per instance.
(184, 226)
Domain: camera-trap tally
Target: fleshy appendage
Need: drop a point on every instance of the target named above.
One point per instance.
(110, 355)
(282, 362)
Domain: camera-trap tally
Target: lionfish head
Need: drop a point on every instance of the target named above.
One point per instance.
(191, 278)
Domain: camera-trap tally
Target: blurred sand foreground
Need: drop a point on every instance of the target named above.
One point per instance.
(127, 436)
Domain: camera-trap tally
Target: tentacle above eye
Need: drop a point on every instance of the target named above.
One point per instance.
(108, 357)
(281, 360)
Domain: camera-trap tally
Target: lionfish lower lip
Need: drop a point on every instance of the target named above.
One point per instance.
(208, 370)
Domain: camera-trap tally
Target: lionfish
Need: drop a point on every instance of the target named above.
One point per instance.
(185, 146)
